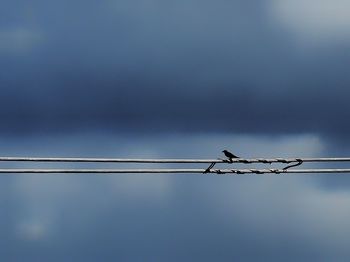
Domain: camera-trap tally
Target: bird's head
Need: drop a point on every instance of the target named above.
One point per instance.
(224, 151)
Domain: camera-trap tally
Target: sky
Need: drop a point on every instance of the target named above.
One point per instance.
(174, 79)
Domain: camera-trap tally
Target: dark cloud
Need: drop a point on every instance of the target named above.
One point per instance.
(192, 65)
(164, 66)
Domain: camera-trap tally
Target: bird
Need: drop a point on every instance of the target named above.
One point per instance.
(229, 155)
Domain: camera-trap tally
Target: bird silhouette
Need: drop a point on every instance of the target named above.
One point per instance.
(229, 155)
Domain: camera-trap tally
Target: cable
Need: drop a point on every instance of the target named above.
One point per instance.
(175, 171)
(183, 161)
(292, 162)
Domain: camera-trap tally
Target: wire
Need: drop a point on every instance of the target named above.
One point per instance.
(175, 171)
(292, 162)
(132, 160)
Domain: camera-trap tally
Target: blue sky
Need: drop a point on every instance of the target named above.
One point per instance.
(155, 79)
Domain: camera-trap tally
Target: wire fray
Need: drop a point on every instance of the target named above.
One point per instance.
(300, 161)
(208, 168)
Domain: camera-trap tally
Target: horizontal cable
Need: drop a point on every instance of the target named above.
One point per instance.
(102, 171)
(132, 160)
(193, 171)
(106, 160)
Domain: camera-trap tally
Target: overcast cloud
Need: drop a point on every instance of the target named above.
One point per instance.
(184, 78)
(185, 66)
(171, 217)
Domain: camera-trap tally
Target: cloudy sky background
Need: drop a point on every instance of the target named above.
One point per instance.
(153, 78)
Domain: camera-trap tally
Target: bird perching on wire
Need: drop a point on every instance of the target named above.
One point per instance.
(229, 155)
